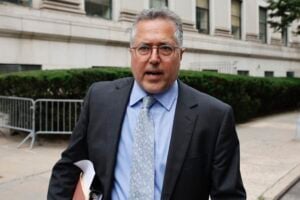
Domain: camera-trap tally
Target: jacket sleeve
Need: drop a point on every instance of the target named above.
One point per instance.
(65, 174)
(226, 177)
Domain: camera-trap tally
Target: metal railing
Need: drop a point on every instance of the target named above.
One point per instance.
(57, 116)
(41, 116)
(298, 129)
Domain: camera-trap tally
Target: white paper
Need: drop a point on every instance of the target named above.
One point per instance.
(88, 173)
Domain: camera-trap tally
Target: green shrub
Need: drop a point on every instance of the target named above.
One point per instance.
(249, 96)
(60, 84)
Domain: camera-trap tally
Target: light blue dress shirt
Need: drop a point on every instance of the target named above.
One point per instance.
(162, 113)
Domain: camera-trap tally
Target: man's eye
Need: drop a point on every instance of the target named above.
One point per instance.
(165, 49)
(144, 49)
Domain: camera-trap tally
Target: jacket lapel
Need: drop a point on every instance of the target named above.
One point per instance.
(184, 121)
(119, 98)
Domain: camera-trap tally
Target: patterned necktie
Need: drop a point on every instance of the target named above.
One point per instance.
(142, 166)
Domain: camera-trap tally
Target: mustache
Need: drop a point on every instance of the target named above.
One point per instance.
(153, 69)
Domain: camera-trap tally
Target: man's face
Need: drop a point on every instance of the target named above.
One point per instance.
(155, 73)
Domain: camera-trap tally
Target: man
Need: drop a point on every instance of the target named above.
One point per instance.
(195, 145)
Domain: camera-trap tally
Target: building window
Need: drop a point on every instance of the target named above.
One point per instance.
(158, 3)
(269, 74)
(290, 74)
(263, 24)
(243, 72)
(101, 8)
(236, 19)
(202, 16)
(210, 70)
(284, 37)
(19, 2)
(6, 68)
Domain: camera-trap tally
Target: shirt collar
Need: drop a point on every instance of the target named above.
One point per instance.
(166, 99)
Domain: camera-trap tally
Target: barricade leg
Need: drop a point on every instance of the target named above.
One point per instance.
(30, 135)
(298, 129)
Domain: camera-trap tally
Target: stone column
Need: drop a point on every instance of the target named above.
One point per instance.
(186, 10)
(129, 9)
(292, 37)
(276, 37)
(72, 6)
(251, 20)
(222, 13)
(212, 24)
(243, 19)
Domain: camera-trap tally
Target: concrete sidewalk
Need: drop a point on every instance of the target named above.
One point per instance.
(270, 160)
(270, 155)
(25, 172)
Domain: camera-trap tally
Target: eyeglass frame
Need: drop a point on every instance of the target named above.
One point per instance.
(151, 47)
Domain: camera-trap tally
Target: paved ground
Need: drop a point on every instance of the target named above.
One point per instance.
(270, 161)
(24, 173)
(293, 193)
(270, 158)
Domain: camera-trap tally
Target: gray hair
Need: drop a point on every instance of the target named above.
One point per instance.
(159, 13)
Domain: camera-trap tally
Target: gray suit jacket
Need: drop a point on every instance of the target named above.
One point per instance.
(203, 157)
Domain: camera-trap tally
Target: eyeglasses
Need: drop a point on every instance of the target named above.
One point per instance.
(162, 50)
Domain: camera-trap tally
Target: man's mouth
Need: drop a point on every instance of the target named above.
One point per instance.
(153, 73)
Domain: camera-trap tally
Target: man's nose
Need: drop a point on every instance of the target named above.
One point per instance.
(154, 57)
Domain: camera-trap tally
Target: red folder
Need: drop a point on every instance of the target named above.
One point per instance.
(79, 194)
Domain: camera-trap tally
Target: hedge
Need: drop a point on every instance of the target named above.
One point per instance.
(249, 96)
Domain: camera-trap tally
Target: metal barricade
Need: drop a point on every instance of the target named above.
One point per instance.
(56, 116)
(42, 116)
(297, 137)
(18, 113)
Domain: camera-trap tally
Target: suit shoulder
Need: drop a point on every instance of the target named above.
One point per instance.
(204, 99)
(114, 83)
(107, 85)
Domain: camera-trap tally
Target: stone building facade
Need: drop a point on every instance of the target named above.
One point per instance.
(228, 36)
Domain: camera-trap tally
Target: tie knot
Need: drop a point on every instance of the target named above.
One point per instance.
(148, 101)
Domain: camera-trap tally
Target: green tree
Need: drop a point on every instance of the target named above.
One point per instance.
(287, 10)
